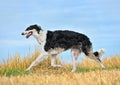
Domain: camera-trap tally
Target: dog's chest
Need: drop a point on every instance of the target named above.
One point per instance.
(41, 39)
(41, 42)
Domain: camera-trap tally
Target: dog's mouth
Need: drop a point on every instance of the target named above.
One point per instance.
(29, 34)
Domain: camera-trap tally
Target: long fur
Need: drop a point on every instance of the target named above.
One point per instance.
(55, 42)
(67, 39)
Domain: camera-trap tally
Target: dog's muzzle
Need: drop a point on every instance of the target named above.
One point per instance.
(27, 34)
(22, 33)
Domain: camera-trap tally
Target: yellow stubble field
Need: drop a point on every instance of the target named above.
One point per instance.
(88, 73)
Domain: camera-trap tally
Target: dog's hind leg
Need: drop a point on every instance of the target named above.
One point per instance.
(100, 62)
(97, 59)
(39, 59)
(75, 52)
(53, 60)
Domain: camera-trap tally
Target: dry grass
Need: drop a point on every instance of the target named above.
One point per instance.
(91, 78)
(88, 72)
(113, 61)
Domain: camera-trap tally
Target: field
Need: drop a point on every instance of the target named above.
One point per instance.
(12, 72)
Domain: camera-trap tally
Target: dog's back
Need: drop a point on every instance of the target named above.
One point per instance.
(66, 39)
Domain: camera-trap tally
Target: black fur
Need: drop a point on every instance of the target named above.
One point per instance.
(67, 39)
(96, 53)
(36, 27)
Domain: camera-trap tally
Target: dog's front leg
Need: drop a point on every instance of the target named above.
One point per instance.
(39, 59)
(53, 61)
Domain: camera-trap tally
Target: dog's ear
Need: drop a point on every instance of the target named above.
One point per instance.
(36, 27)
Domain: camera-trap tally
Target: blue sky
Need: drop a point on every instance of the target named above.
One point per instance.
(99, 19)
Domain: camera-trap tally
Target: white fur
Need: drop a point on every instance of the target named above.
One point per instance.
(39, 59)
(101, 51)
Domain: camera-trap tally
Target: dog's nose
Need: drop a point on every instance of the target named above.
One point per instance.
(22, 33)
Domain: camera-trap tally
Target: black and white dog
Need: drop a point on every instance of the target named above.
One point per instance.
(54, 42)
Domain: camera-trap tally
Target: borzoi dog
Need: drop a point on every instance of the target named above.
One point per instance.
(54, 42)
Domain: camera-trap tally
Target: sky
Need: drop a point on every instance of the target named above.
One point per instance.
(98, 19)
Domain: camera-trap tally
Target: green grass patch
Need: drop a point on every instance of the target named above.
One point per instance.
(114, 67)
(1, 72)
(13, 72)
(81, 69)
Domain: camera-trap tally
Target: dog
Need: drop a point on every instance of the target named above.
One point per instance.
(54, 42)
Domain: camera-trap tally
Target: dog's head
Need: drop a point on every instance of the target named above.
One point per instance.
(32, 30)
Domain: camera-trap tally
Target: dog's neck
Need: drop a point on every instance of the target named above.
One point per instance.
(41, 37)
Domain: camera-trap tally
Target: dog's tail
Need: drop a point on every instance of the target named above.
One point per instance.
(86, 47)
(99, 52)
(94, 55)
(88, 51)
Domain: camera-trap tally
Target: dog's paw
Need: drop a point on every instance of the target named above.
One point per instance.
(59, 66)
(103, 67)
(27, 69)
(73, 70)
